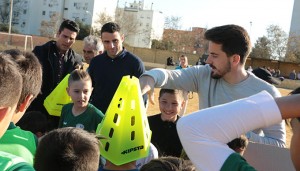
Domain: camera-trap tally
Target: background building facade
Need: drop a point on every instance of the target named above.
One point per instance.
(42, 17)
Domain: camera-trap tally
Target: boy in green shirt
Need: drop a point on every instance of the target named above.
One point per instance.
(31, 72)
(80, 113)
(10, 90)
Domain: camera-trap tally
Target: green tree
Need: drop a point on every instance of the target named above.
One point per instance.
(278, 42)
(4, 28)
(84, 30)
(293, 48)
(162, 45)
(261, 48)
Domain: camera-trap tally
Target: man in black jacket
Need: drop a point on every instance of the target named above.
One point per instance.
(57, 59)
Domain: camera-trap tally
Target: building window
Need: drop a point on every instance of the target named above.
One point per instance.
(24, 11)
(44, 13)
(23, 24)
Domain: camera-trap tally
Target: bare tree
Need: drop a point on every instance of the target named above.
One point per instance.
(128, 22)
(103, 18)
(18, 5)
(261, 48)
(50, 28)
(173, 22)
(278, 42)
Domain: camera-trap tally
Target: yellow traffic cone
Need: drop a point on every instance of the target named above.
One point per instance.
(58, 98)
(125, 125)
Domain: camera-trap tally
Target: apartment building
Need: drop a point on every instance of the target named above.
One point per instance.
(146, 24)
(42, 17)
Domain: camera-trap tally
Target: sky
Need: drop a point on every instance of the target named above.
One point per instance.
(254, 15)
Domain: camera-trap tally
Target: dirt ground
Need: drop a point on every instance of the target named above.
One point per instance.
(193, 106)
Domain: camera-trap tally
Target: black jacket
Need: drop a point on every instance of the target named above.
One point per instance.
(49, 57)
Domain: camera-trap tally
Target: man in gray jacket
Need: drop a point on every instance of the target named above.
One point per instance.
(222, 80)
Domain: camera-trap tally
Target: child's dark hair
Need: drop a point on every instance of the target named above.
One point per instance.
(241, 142)
(67, 149)
(170, 91)
(77, 75)
(168, 163)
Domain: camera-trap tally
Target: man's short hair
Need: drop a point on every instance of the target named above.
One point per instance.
(94, 41)
(68, 149)
(69, 24)
(110, 27)
(31, 71)
(10, 81)
(233, 38)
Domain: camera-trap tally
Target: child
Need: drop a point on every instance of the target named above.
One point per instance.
(163, 125)
(239, 145)
(204, 134)
(68, 149)
(10, 90)
(15, 140)
(183, 63)
(80, 113)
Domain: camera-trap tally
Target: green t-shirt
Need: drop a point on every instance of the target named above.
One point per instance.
(19, 142)
(88, 120)
(235, 162)
(9, 162)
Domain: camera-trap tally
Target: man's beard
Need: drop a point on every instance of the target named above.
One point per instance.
(218, 76)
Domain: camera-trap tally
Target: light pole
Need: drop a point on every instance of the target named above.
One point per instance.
(10, 16)
(88, 12)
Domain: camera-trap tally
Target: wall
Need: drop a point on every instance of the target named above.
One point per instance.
(160, 56)
(284, 67)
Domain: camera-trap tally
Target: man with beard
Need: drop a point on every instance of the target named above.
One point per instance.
(222, 80)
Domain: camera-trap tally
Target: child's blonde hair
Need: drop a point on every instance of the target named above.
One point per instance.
(78, 74)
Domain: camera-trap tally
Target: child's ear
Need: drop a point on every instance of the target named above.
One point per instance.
(182, 104)
(3, 112)
(25, 104)
(68, 90)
